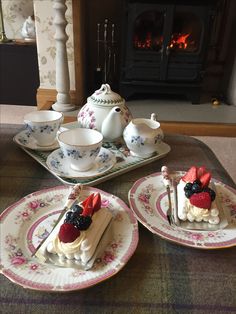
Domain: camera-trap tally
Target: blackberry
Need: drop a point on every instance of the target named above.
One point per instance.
(212, 194)
(188, 193)
(83, 222)
(188, 186)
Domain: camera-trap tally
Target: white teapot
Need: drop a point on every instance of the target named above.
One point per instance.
(143, 136)
(106, 112)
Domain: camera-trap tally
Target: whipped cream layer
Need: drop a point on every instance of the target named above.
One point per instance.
(82, 248)
(187, 211)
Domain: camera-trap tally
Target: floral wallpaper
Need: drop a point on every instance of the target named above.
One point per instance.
(15, 13)
(44, 14)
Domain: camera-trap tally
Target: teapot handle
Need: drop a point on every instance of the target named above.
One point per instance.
(104, 89)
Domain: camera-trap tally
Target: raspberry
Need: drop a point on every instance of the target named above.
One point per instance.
(201, 200)
(68, 233)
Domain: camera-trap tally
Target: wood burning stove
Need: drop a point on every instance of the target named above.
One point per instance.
(165, 46)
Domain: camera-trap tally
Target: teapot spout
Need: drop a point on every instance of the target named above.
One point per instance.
(112, 127)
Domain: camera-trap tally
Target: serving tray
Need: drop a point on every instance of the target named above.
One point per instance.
(124, 161)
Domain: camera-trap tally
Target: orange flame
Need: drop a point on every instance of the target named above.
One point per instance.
(177, 41)
(180, 41)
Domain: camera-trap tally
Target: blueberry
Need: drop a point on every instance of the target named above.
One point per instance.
(69, 216)
(77, 209)
(196, 188)
(198, 182)
(188, 186)
(188, 193)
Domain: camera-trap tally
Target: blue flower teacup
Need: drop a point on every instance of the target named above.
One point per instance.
(80, 147)
(43, 126)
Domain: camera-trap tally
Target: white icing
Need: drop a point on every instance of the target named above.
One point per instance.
(187, 211)
(83, 248)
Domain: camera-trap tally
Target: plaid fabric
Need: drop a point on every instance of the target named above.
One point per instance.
(161, 277)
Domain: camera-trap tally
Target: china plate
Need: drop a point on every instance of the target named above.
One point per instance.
(25, 139)
(27, 222)
(56, 162)
(149, 202)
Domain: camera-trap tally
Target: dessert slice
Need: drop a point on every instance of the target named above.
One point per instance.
(196, 198)
(79, 232)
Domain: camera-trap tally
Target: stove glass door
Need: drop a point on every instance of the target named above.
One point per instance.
(148, 31)
(186, 32)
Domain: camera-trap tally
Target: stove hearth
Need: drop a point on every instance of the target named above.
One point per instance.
(165, 47)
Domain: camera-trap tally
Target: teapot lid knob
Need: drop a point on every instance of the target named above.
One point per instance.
(108, 88)
(154, 116)
(104, 89)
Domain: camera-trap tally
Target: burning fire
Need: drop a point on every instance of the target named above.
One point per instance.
(178, 41)
(143, 44)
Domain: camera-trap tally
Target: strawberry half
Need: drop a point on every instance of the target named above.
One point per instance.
(205, 179)
(201, 200)
(88, 206)
(87, 200)
(97, 202)
(68, 233)
(200, 171)
(191, 175)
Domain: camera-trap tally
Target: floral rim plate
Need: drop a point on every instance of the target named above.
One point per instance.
(25, 139)
(27, 222)
(149, 202)
(56, 162)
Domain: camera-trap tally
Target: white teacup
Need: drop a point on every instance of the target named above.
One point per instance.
(80, 147)
(43, 125)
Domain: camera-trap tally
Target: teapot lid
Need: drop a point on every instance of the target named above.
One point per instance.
(106, 97)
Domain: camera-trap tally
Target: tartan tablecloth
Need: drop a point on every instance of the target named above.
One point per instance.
(161, 277)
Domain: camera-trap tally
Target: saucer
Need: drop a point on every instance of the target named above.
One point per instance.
(25, 139)
(56, 162)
